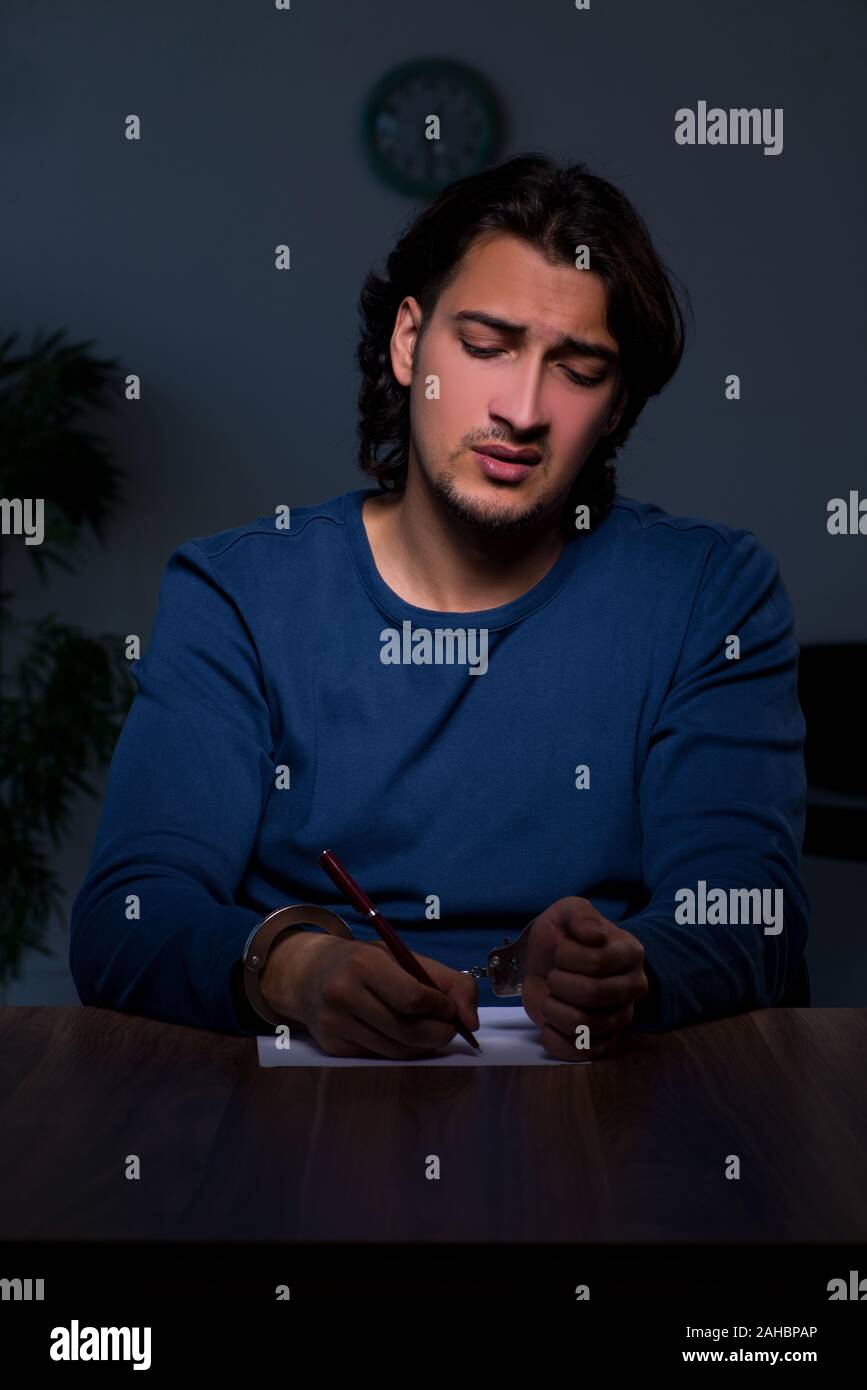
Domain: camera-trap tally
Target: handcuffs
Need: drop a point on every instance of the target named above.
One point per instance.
(507, 965)
(505, 969)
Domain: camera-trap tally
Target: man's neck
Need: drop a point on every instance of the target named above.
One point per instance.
(436, 560)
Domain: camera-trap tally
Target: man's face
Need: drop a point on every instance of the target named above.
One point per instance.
(528, 390)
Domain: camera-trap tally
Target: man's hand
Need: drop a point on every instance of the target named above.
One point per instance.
(581, 968)
(358, 1002)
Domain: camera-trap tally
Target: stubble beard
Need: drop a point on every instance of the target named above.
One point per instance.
(491, 520)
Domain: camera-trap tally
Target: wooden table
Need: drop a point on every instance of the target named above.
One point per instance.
(631, 1148)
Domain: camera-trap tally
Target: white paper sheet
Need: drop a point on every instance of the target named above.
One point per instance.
(507, 1037)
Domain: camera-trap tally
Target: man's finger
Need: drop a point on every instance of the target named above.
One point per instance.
(589, 992)
(579, 919)
(388, 1035)
(405, 994)
(618, 956)
(566, 1019)
(459, 987)
(464, 991)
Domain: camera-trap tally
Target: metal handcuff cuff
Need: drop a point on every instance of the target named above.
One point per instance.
(504, 971)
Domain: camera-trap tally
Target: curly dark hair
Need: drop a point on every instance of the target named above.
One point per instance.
(553, 208)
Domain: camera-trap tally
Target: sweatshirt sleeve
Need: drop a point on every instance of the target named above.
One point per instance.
(155, 929)
(722, 798)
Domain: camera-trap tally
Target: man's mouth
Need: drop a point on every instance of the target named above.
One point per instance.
(506, 465)
(500, 451)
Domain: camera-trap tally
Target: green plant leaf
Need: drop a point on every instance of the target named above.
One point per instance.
(63, 704)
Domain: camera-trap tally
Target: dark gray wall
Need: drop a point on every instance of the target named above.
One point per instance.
(162, 251)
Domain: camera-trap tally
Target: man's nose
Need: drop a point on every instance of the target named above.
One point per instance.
(519, 403)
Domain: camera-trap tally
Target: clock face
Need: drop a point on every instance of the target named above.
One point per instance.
(396, 123)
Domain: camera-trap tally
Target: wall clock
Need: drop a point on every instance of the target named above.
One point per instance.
(394, 123)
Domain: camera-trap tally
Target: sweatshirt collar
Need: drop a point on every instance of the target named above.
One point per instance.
(395, 607)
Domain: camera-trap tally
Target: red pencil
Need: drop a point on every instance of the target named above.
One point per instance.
(401, 952)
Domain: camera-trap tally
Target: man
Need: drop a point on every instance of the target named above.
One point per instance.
(496, 690)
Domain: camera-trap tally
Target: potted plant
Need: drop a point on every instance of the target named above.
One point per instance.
(64, 693)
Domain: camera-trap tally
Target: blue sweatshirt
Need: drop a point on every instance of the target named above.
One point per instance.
(596, 736)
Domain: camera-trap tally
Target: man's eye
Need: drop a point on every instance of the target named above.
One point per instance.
(574, 377)
(583, 380)
(477, 351)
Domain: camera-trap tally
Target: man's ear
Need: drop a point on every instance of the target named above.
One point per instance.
(404, 338)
